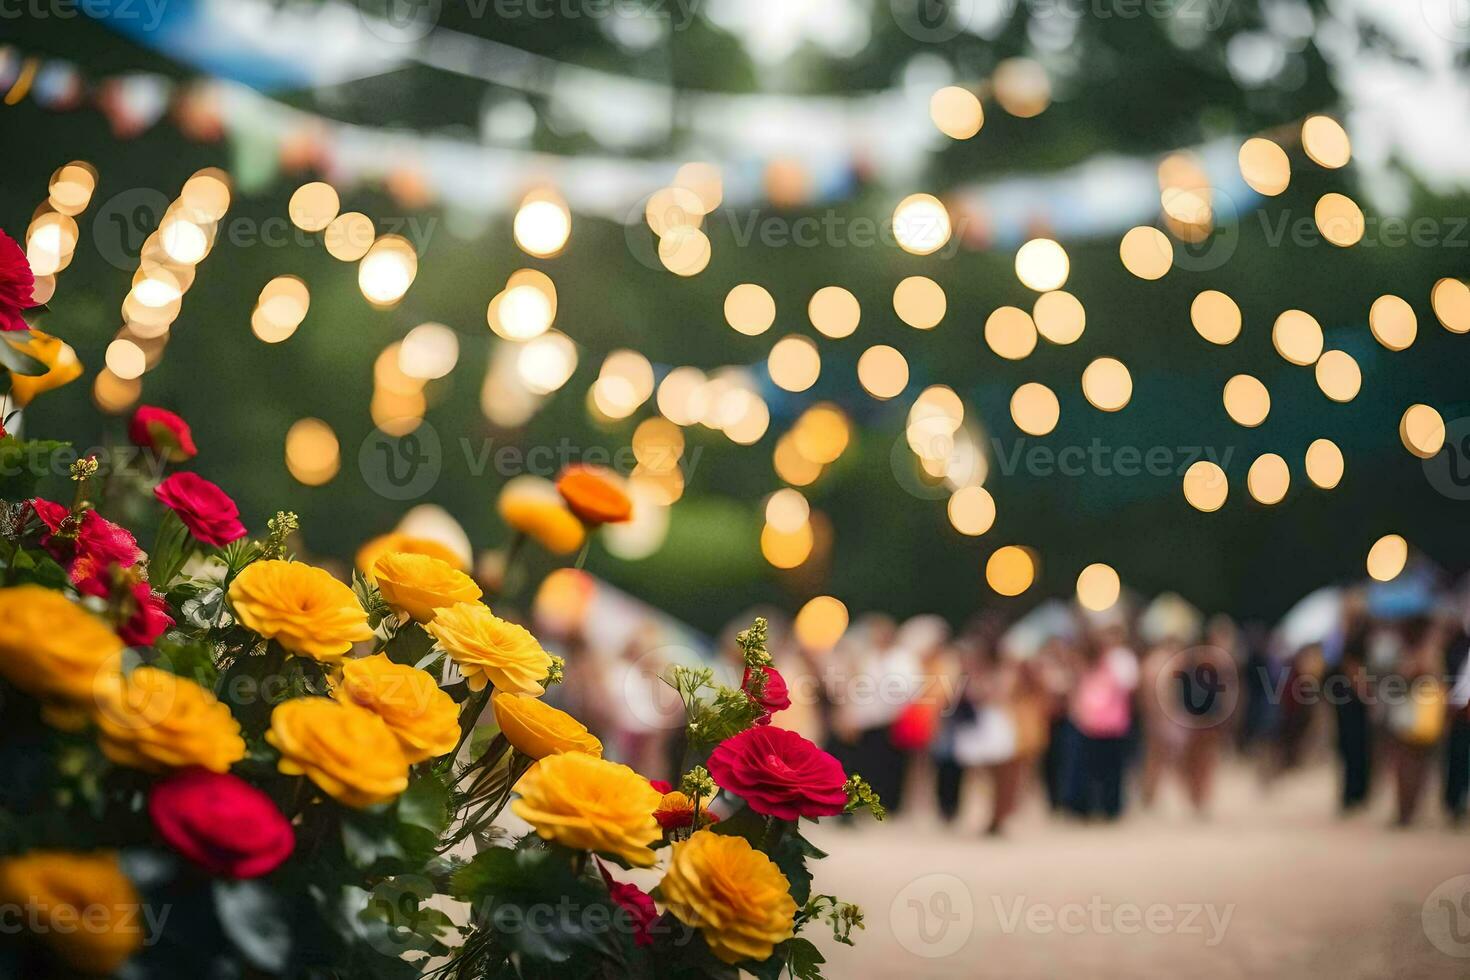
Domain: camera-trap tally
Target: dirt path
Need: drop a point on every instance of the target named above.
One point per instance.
(1273, 885)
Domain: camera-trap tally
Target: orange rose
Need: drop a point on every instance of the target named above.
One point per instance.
(595, 494)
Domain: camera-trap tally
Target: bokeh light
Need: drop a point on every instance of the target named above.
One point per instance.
(1451, 301)
(971, 510)
(1265, 166)
(1107, 384)
(920, 302)
(834, 311)
(794, 363)
(387, 270)
(1268, 479)
(1010, 570)
(1340, 220)
(1205, 486)
(1339, 376)
(1035, 409)
(1247, 401)
(1042, 265)
(1326, 142)
(1422, 431)
(1011, 333)
(1325, 464)
(313, 455)
(1098, 587)
(1297, 336)
(883, 372)
(921, 224)
(1393, 322)
(821, 623)
(750, 309)
(1059, 317)
(1147, 253)
(1387, 557)
(956, 112)
(1215, 316)
(313, 206)
(542, 224)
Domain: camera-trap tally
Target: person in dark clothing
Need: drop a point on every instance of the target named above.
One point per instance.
(1347, 683)
(1457, 744)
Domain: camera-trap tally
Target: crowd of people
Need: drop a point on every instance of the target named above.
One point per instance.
(1100, 711)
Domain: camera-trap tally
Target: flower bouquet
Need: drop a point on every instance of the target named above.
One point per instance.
(217, 760)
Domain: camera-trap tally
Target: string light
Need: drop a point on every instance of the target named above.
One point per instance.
(794, 363)
(1339, 376)
(1393, 322)
(971, 511)
(1147, 253)
(1010, 570)
(1268, 479)
(956, 112)
(1422, 431)
(1324, 464)
(1098, 587)
(1059, 316)
(1451, 301)
(1010, 333)
(821, 623)
(1215, 316)
(1042, 265)
(1340, 220)
(750, 309)
(313, 206)
(1107, 385)
(1205, 486)
(1265, 166)
(883, 372)
(919, 301)
(1247, 401)
(1034, 409)
(834, 312)
(1326, 142)
(1297, 337)
(921, 224)
(1387, 557)
(542, 224)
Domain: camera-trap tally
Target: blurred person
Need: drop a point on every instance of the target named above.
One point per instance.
(868, 665)
(1170, 627)
(1101, 714)
(1457, 742)
(1058, 664)
(916, 727)
(1348, 682)
(1415, 716)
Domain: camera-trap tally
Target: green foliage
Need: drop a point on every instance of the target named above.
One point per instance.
(710, 721)
(25, 462)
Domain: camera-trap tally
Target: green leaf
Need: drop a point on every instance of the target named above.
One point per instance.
(369, 838)
(426, 803)
(23, 463)
(252, 916)
(37, 568)
(744, 822)
(802, 958)
(409, 645)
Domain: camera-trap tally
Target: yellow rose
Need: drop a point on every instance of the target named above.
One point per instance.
(302, 608)
(59, 358)
(538, 730)
(348, 751)
(531, 506)
(590, 804)
(732, 893)
(420, 585)
(383, 544)
(423, 717)
(82, 906)
(154, 720)
(51, 647)
(487, 648)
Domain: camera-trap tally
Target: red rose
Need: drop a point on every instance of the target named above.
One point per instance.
(779, 773)
(634, 901)
(773, 695)
(149, 617)
(89, 549)
(17, 284)
(206, 510)
(221, 823)
(163, 432)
